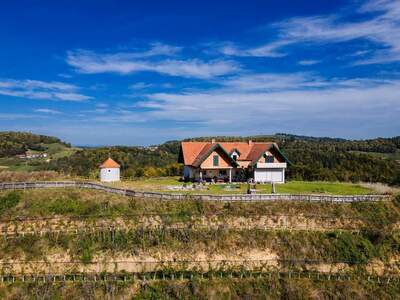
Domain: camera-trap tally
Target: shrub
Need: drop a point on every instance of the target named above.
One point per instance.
(397, 200)
(8, 201)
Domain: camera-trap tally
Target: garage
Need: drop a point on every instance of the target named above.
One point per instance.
(269, 175)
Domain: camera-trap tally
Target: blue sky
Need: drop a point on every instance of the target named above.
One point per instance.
(140, 72)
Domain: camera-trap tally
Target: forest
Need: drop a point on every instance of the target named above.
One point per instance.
(313, 158)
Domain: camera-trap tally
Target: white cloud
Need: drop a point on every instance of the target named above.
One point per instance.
(13, 116)
(341, 106)
(159, 49)
(102, 105)
(63, 75)
(267, 50)
(308, 62)
(274, 81)
(380, 24)
(382, 28)
(47, 111)
(140, 85)
(124, 63)
(35, 89)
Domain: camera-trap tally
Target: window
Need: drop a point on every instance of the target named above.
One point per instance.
(268, 158)
(215, 160)
(234, 156)
(222, 172)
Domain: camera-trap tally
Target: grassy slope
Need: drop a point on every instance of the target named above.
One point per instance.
(378, 241)
(72, 202)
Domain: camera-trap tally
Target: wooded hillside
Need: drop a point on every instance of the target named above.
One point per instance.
(13, 143)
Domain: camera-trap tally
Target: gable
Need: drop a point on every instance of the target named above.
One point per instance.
(223, 161)
(268, 153)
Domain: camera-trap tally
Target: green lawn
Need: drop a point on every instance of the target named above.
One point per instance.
(57, 150)
(15, 164)
(292, 187)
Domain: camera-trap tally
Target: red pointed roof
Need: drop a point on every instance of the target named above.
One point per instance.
(109, 163)
(249, 151)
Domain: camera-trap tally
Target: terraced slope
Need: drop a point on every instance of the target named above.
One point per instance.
(82, 244)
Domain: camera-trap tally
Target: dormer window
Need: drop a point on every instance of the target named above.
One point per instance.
(268, 158)
(235, 154)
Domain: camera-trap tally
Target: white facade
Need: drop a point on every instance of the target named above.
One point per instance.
(265, 175)
(109, 174)
(270, 172)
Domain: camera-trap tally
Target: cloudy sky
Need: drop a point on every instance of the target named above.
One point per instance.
(143, 72)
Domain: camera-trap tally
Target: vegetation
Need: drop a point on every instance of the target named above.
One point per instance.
(20, 176)
(196, 288)
(186, 244)
(9, 201)
(75, 202)
(13, 143)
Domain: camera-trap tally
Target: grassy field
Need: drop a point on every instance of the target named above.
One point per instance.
(15, 164)
(293, 187)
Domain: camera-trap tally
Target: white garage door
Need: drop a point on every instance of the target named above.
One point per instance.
(268, 175)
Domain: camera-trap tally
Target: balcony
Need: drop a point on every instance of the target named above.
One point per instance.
(271, 165)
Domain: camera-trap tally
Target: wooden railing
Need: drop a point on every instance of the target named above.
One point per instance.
(201, 197)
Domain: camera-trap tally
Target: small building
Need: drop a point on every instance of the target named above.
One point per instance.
(109, 171)
(233, 161)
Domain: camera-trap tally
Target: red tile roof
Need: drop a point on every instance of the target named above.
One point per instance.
(109, 163)
(193, 151)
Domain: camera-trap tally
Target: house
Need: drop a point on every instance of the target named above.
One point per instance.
(233, 161)
(109, 171)
(29, 155)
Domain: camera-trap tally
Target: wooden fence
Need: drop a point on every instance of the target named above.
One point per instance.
(200, 197)
(182, 275)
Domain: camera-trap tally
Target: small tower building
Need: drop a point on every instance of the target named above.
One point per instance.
(109, 171)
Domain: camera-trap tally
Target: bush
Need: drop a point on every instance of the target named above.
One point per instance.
(396, 200)
(351, 248)
(9, 201)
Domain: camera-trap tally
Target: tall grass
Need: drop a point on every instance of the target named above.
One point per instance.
(20, 176)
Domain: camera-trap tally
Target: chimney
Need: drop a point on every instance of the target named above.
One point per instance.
(250, 142)
(213, 141)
